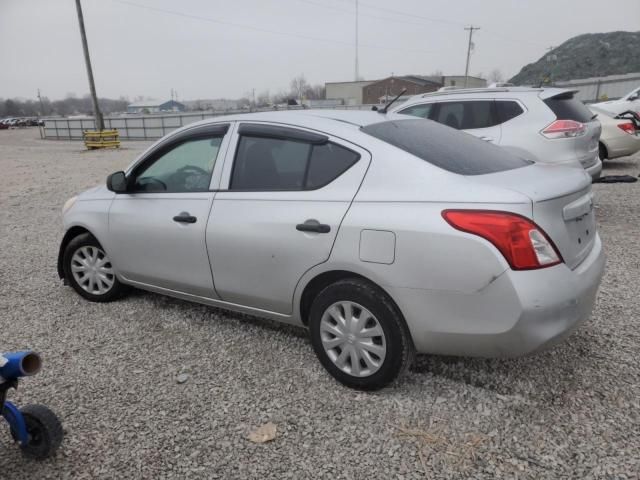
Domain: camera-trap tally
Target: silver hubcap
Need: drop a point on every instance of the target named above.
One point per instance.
(92, 270)
(353, 339)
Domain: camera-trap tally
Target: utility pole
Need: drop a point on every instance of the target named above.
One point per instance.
(41, 104)
(357, 66)
(551, 58)
(470, 28)
(92, 86)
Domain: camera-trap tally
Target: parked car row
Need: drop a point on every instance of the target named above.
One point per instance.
(384, 234)
(630, 102)
(6, 123)
(620, 133)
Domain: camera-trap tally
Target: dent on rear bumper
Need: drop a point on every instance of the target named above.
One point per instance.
(515, 314)
(595, 170)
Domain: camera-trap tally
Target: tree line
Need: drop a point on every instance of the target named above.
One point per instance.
(68, 106)
(299, 90)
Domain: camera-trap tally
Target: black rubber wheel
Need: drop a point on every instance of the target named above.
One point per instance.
(602, 151)
(396, 340)
(97, 294)
(45, 432)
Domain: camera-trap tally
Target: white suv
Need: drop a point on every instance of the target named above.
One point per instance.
(544, 125)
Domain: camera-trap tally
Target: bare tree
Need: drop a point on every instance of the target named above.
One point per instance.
(299, 85)
(263, 99)
(495, 76)
(315, 92)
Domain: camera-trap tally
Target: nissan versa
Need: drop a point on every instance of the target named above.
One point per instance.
(384, 234)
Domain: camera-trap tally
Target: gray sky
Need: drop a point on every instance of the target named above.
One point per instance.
(234, 46)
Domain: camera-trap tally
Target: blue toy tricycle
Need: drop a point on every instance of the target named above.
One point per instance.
(36, 428)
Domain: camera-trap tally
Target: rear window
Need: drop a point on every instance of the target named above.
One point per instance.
(566, 107)
(456, 152)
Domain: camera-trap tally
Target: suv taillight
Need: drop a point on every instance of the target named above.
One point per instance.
(522, 243)
(628, 127)
(564, 129)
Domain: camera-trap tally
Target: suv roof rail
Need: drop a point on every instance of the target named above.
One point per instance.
(480, 90)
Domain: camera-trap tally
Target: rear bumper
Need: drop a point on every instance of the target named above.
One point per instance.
(622, 145)
(517, 313)
(595, 170)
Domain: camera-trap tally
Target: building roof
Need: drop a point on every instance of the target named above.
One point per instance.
(417, 79)
(151, 103)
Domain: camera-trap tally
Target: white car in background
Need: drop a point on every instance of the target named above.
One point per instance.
(620, 136)
(631, 101)
(546, 125)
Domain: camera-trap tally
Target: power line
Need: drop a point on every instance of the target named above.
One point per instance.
(412, 15)
(361, 14)
(357, 67)
(263, 30)
(419, 24)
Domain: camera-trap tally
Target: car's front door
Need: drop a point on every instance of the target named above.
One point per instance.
(287, 191)
(157, 228)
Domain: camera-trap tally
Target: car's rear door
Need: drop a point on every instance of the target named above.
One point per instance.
(475, 116)
(157, 229)
(284, 193)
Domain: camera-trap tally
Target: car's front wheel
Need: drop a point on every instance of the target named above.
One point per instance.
(358, 335)
(89, 271)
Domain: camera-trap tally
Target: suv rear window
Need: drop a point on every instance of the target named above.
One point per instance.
(566, 107)
(456, 152)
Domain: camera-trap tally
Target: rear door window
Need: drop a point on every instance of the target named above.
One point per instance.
(327, 163)
(450, 114)
(507, 109)
(452, 151)
(467, 115)
(566, 107)
(272, 164)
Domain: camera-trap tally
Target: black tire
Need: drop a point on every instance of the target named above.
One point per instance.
(399, 347)
(45, 432)
(88, 240)
(602, 151)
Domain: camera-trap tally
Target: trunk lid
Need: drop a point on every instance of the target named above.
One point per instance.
(562, 205)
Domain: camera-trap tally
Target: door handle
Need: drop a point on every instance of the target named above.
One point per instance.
(313, 226)
(184, 217)
(486, 139)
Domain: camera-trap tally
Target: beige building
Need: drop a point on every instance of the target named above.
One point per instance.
(349, 92)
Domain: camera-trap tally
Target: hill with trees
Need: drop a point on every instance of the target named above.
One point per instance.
(584, 56)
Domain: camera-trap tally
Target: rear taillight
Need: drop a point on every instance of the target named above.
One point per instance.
(564, 129)
(524, 244)
(628, 127)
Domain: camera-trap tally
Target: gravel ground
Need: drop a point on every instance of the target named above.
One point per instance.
(111, 370)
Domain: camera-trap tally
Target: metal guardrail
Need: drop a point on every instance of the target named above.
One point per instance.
(145, 127)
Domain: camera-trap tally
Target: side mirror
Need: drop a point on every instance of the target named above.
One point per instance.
(117, 182)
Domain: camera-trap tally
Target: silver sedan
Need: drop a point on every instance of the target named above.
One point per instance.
(385, 235)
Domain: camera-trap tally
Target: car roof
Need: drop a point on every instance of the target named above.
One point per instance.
(321, 119)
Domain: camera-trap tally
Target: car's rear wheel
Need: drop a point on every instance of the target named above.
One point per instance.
(89, 271)
(602, 151)
(358, 335)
